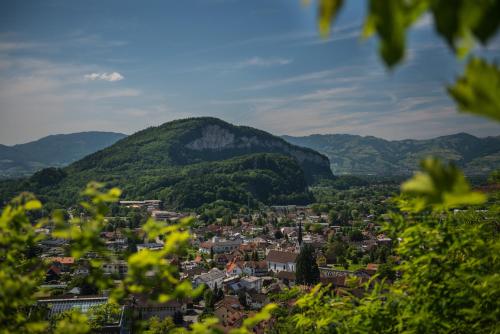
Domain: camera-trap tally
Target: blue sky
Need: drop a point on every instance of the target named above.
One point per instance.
(68, 66)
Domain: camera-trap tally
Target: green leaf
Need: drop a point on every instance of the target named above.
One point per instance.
(328, 10)
(390, 19)
(33, 205)
(438, 186)
(478, 90)
(461, 21)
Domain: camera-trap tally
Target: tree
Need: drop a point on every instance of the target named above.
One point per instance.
(209, 299)
(278, 234)
(356, 235)
(242, 298)
(148, 271)
(448, 264)
(178, 318)
(307, 271)
(86, 287)
(333, 216)
(104, 314)
(157, 326)
(386, 270)
(299, 237)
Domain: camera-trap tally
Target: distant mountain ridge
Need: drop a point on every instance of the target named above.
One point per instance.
(352, 154)
(189, 163)
(52, 151)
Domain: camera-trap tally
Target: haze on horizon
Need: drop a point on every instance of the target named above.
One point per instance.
(121, 66)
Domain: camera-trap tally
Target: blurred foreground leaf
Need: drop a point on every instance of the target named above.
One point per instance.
(478, 90)
(328, 10)
(439, 187)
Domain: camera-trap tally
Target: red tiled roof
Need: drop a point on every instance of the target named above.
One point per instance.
(281, 257)
(63, 260)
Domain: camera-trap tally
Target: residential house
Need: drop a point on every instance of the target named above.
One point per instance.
(251, 283)
(118, 267)
(220, 245)
(229, 311)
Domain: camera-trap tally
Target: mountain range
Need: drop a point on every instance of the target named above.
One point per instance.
(351, 154)
(52, 151)
(189, 163)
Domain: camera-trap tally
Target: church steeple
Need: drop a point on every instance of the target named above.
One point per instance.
(299, 237)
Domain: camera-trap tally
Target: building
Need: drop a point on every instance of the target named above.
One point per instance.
(251, 283)
(229, 311)
(152, 246)
(213, 278)
(146, 309)
(57, 305)
(115, 267)
(150, 205)
(166, 215)
(281, 261)
(219, 245)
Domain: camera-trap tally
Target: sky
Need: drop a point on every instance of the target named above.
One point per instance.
(117, 65)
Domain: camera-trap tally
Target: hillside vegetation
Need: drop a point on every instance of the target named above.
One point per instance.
(350, 154)
(189, 163)
(52, 151)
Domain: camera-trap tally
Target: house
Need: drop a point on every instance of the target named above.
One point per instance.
(222, 259)
(213, 278)
(281, 261)
(219, 245)
(234, 268)
(251, 283)
(382, 239)
(320, 260)
(82, 270)
(63, 263)
(256, 300)
(152, 246)
(53, 274)
(287, 278)
(255, 268)
(371, 268)
(115, 267)
(229, 311)
(145, 308)
(166, 216)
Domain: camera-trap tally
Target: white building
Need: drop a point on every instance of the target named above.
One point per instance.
(211, 279)
(115, 267)
(281, 261)
(220, 245)
(251, 283)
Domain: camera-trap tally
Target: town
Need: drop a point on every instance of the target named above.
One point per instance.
(242, 261)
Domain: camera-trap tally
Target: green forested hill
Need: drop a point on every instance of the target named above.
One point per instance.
(351, 154)
(52, 151)
(189, 163)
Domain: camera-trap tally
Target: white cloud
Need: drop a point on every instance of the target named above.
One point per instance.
(263, 62)
(111, 77)
(6, 46)
(253, 62)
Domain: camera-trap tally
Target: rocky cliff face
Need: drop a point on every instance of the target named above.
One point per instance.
(217, 138)
(220, 140)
